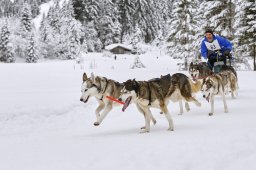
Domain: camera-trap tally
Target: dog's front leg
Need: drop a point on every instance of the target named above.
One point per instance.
(212, 105)
(181, 107)
(104, 114)
(225, 103)
(98, 110)
(146, 113)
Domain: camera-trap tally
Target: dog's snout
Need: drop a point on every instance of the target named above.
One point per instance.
(81, 99)
(203, 96)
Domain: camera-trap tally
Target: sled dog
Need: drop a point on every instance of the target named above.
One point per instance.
(201, 70)
(216, 84)
(100, 87)
(157, 93)
(230, 82)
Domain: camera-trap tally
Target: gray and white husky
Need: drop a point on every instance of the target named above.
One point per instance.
(100, 87)
(157, 93)
(218, 84)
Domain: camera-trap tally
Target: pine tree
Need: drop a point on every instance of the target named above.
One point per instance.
(6, 54)
(137, 63)
(245, 27)
(126, 10)
(91, 36)
(47, 40)
(69, 36)
(26, 18)
(144, 17)
(182, 34)
(31, 56)
(219, 15)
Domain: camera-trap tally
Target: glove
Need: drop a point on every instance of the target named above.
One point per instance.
(227, 53)
(209, 53)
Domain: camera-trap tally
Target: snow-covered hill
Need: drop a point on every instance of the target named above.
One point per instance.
(44, 126)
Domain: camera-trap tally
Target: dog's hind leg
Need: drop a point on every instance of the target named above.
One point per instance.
(168, 117)
(192, 99)
(187, 106)
(104, 114)
(181, 107)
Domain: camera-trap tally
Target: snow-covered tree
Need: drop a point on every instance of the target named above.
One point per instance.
(144, 17)
(182, 32)
(47, 39)
(135, 39)
(69, 34)
(219, 15)
(31, 54)
(6, 53)
(137, 63)
(126, 10)
(91, 37)
(245, 26)
(26, 17)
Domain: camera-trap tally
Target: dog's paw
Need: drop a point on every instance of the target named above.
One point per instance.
(154, 121)
(143, 127)
(170, 129)
(198, 104)
(187, 107)
(144, 131)
(225, 111)
(210, 114)
(96, 124)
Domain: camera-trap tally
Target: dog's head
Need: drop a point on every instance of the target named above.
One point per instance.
(130, 90)
(194, 70)
(208, 87)
(89, 88)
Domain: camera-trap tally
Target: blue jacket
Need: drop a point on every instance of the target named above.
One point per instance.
(223, 43)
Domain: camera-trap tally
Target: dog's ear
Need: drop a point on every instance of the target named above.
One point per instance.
(85, 77)
(92, 77)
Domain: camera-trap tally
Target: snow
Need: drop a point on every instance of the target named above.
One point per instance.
(44, 126)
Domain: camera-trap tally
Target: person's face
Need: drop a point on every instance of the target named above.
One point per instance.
(209, 37)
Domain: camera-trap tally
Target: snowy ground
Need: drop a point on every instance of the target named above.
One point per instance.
(44, 126)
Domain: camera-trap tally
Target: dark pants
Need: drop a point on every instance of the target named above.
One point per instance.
(214, 59)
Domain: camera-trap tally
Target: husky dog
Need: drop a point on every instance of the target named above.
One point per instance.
(199, 70)
(230, 82)
(100, 87)
(157, 93)
(215, 85)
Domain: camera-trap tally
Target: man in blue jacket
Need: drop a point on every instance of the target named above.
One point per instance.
(215, 48)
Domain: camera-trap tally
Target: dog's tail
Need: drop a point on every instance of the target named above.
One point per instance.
(195, 86)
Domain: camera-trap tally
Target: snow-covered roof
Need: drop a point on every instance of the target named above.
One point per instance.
(112, 46)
